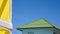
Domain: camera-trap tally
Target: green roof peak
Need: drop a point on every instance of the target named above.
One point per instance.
(38, 23)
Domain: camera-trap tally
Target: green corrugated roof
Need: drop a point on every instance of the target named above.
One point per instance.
(37, 24)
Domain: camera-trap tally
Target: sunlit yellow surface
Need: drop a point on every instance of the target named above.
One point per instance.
(5, 10)
(3, 31)
(1, 6)
(1, 3)
(5, 14)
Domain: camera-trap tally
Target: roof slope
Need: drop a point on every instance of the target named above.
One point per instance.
(38, 24)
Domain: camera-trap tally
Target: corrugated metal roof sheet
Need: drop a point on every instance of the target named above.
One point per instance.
(38, 24)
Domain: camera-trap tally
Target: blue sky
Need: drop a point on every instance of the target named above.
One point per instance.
(25, 11)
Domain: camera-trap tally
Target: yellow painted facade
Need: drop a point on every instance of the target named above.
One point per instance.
(5, 14)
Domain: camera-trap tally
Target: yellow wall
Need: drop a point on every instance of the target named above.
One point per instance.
(3, 31)
(5, 10)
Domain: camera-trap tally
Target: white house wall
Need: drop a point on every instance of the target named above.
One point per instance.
(38, 31)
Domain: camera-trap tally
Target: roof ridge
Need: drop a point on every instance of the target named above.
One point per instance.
(48, 22)
(53, 25)
(43, 23)
(39, 23)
